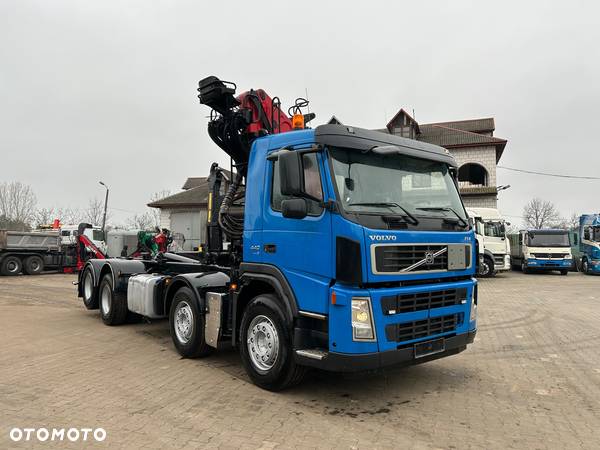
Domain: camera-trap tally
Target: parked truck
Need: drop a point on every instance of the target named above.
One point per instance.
(541, 250)
(33, 252)
(347, 250)
(589, 243)
(494, 247)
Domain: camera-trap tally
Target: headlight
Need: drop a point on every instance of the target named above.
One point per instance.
(473, 315)
(362, 319)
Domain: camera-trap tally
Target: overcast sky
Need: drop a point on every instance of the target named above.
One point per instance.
(107, 90)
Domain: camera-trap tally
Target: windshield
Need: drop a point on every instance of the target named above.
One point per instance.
(493, 229)
(395, 184)
(548, 240)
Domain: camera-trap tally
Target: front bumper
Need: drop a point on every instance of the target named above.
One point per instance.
(594, 266)
(344, 362)
(549, 264)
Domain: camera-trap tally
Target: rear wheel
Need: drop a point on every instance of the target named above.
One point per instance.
(113, 305)
(524, 268)
(34, 265)
(187, 325)
(266, 345)
(90, 293)
(11, 265)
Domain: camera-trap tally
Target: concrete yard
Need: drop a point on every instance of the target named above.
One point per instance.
(530, 380)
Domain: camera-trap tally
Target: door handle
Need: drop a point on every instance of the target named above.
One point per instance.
(270, 248)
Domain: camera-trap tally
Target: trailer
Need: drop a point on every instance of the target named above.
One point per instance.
(33, 252)
(541, 250)
(336, 248)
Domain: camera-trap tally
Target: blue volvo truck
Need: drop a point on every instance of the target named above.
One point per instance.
(335, 248)
(589, 243)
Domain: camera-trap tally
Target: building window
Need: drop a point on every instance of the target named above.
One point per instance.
(472, 175)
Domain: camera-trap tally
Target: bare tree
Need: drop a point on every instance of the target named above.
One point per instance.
(540, 213)
(143, 221)
(95, 212)
(44, 216)
(71, 216)
(17, 203)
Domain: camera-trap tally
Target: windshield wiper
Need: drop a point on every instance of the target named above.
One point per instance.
(390, 205)
(462, 221)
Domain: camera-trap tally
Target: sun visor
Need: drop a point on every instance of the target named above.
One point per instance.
(382, 143)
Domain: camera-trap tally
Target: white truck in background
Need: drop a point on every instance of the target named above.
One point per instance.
(542, 250)
(494, 247)
(94, 233)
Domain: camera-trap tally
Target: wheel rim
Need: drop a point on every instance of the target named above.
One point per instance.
(12, 266)
(585, 266)
(87, 286)
(485, 268)
(35, 265)
(106, 299)
(263, 343)
(184, 322)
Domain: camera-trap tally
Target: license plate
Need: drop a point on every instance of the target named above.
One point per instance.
(430, 347)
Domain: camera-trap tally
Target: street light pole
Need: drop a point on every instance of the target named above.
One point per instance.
(105, 206)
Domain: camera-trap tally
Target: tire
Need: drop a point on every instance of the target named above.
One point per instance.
(524, 268)
(11, 265)
(486, 268)
(270, 366)
(34, 265)
(113, 305)
(88, 291)
(187, 325)
(564, 272)
(585, 266)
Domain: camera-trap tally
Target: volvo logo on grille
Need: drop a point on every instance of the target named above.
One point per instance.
(429, 257)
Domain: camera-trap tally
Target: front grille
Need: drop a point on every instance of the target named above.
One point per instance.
(395, 258)
(404, 303)
(549, 255)
(408, 331)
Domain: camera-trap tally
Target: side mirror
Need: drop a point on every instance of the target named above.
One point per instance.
(586, 233)
(294, 208)
(291, 174)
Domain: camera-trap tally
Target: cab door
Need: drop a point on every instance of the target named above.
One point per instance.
(300, 248)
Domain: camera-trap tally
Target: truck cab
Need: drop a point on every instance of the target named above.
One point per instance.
(494, 247)
(94, 233)
(369, 237)
(589, 243)
(542, 250)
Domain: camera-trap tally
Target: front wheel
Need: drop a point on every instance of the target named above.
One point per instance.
(524, 268)
(266, 345)
(585, 267)
(187, 325)
(486, 268)
(564, 272)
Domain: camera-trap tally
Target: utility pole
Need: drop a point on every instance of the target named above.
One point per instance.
(105, 206)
